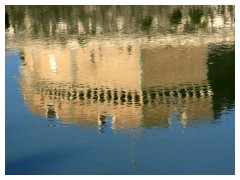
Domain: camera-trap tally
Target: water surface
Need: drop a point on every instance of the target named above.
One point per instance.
(120, 90)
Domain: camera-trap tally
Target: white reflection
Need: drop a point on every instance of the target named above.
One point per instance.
(53, 64)
(218, 22)
(10, 31)
(61, 27)
(120, 23)
(80, 28)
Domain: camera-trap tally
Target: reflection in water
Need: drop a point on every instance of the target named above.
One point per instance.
(176, 16)
(7, 23)
(157, 82)
(195, 15)
(95, 65)
(222, 82)
(146, 22)
(87, 22)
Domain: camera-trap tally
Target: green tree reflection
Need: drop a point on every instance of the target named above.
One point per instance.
(221, 66)
(195, 15)
(146, 23)
(175, 17)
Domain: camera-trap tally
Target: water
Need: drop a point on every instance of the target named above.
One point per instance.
(120, 90)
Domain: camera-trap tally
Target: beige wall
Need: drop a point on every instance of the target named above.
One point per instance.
(176, 68)
(117, 67)
(171, 66)
(102, 65)
(99, 64)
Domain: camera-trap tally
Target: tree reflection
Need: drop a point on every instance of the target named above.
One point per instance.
(50, 21)
(146, 23)
(221, 65)
(7, 23)
(175, 17)
(195, 15)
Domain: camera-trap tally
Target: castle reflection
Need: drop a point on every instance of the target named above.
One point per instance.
(85, 75)
(141, 88)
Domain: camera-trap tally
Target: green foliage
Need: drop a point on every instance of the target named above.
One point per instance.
(195, 15)
(175, 17)
(146, 22)
(35, 31)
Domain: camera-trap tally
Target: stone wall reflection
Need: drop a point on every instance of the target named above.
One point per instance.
(176, 80)
(130, 85)
(79, 84)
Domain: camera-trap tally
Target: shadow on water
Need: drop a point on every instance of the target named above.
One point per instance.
(46, 162)
(7, 23)
(221, 75)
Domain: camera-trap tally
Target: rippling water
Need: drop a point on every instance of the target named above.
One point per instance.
(120, 89)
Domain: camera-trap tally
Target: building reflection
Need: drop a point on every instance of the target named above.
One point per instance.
(141, 87)
(181, 75)
(102, 66)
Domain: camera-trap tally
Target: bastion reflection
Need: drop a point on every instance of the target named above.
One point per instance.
(89, 71)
